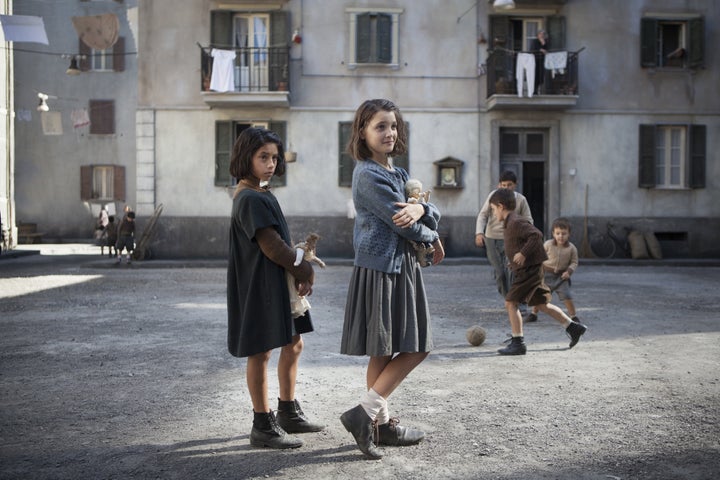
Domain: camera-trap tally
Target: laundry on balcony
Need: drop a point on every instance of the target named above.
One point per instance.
(222, 78)
(556, 62)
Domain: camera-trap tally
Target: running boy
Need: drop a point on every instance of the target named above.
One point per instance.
(561, 264)
(524, 248)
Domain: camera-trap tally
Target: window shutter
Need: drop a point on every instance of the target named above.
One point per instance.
(646, 161)
(362, 38)
(384, 38)
(696, 43)
(648, 42)
(697, 156)
(279, 30)
(556, 32)
(119, 183)
(86, 180)
(346, 164)
(102, 117)
(500, 31)
(279, 35)
(281, 129)
(221, 29)
(119, 55)
(84, 60)
(223, 150)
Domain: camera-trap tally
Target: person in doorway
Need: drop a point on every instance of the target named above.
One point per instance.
(386, 314)
(125, 237)
(489, 233)
(540, 46)
(524, 248)
(258, 296)
(561, 263)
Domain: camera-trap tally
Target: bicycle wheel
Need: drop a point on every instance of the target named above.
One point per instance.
(602, 246)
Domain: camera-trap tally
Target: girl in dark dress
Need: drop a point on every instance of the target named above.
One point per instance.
(259, 318)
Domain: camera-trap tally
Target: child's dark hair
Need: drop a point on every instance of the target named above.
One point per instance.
(131, 214)
(561, 223)
(111, 218)
(508, 176)
(357, 148)
(250, 141)
(504, 197)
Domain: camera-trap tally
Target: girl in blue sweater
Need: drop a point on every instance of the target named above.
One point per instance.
(386, 314)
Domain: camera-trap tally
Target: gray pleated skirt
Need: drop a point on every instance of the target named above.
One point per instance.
(387, 313)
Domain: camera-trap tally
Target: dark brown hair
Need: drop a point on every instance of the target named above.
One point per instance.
(561, 223)
(504, 197)
(248, 142)
(357, 148)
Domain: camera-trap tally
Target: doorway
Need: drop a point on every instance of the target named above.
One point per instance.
(524, 151)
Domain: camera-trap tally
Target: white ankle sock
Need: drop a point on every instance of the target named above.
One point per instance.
(373, 403)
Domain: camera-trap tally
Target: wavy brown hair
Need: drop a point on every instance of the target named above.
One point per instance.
(248, 142)
(357, 148)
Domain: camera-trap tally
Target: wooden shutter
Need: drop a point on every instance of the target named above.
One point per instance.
(648, 42)
(646, 161)
(384, 38)
(223, 149)
(281, 129)
(697, 156)
(362, 38)
(555, 27)
(86, 181)
(279, 35)
(696, 43)
(221, 29)
(500, 32)
(119, 55)
(346, 164)
(119, 183)
(102, 117)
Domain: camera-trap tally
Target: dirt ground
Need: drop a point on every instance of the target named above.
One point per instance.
(122, 372)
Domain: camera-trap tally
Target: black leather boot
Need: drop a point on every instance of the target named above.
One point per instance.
(267, 433)
(357, 422)
(394, 435)
(575, 330)
(516, 347)
(292, 419)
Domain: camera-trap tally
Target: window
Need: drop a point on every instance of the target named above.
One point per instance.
(346, 164)
(226, 133)
(108, 60)
(672, 42)
(102, 117)
(260, 41)
(102, 183)
(672, 156)
(374, 37)
(517, 33)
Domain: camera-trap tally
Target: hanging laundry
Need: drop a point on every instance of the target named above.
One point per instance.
(23, 28)
(51, 123)
(80, 117)
(525, 66)
(98, 31)
(222, 78)
(556, 62)
(23, 115)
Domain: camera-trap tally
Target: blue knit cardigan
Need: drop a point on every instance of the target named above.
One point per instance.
(376, 239)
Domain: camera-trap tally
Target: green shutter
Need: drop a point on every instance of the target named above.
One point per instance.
(648, 42)
(384, 38)
(279, 35)
(697, 156)
(555, 27)
(223, 149)
(281, 129)
(221, 28)
(646, 161)
(696, 43)
(346, 164)
(362, 38)
(500, 32)
(119, 55)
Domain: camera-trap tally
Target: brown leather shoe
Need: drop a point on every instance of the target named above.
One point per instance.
(357, 422)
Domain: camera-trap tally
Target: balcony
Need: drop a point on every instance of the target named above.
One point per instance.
(255, 77)
(558, 91)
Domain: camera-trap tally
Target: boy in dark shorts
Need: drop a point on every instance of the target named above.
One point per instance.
(525, 252)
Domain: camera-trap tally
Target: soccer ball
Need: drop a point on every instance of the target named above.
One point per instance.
(475, 335)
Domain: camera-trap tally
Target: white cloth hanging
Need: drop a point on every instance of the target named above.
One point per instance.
(556, 62)
(525, 66)
(80, 118)
(23, 28)
(51, 123)
(222, 77)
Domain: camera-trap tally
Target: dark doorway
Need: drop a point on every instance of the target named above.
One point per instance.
(534, 190)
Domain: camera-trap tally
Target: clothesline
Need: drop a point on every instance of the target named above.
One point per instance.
(515, 52)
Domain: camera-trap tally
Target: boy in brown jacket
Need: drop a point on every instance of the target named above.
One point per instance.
(524, 248)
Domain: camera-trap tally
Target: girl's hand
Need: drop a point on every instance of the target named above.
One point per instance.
(408, 214)
(304, 289)
(439, 252)
(519, 258)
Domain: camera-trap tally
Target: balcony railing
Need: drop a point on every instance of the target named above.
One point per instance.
(255, 76)
(501, 69)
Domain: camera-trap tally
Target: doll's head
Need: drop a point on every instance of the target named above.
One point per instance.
(413, 190)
